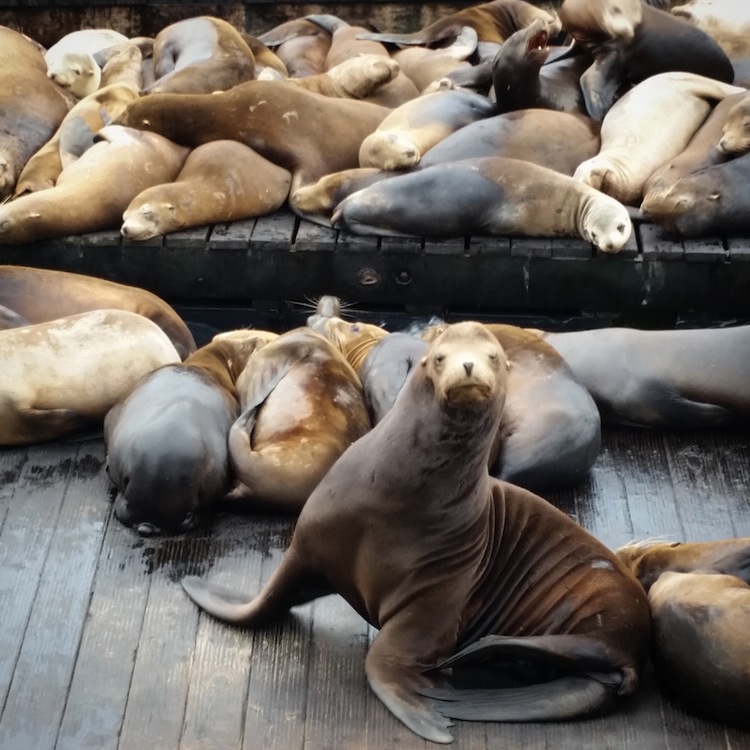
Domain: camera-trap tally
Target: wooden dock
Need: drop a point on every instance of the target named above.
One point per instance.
(100, 649)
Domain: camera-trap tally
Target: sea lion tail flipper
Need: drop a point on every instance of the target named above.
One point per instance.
(565, 698)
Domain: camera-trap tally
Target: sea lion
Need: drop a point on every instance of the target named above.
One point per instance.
(220, 181)
(650, 558)
(521, 74)
(268, 65)
(301, 407)
(122, 63)
(424, 65)
(709, 201)
(31, 106)
(703, 150)
(70, 61)
(630, 42)
(74, 136)
(199, 56)
(453, 566)
(735, 137)
(301, 45)
(308, 134)
(91, 194)
(726, 21)
(632, 149)
(700, 648)
(493, 22)
(64, 375)
(648, 378)
(490, 196)
(39, 295)
(415, 127)
(166, 442)
(552, 139)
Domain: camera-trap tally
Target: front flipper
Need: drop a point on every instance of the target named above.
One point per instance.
(601, 83)
(565, 698)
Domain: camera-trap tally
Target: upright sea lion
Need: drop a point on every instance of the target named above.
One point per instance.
(631, 42)
(91, 194)
(167, 440)
(66, 374)
(70, 61)
(39, 295)
(31, 106)
(672, 378)
(199, 56)
(308, 134)
(301, 407)
(453, 566)
(490, 196)
(632, 148)
(412, 129)
(220, 181)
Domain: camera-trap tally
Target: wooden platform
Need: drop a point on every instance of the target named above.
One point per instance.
(100, 648)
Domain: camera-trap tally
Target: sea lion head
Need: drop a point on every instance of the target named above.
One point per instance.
(605, 223)
(735, 137)
(389, 150)
(149, 219)
(468, 368)
(77, 72)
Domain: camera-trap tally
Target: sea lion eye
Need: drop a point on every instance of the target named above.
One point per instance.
(494, 357)
(621, 228)
(439, 358)
(355, 328)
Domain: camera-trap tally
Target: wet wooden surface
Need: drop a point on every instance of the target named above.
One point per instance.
(100, 649)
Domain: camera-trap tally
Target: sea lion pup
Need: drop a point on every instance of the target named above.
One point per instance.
(632, 148)
(646, 379)
(415, 127)
(301, 407)
(39, 295)
(166, 441)
(64, 375)
(632, 41)
(453, 566)
(735, 137)
(521, 74)
(726, 21)
(199, 56)
(493, 22)
(650, 558)
(552, 139)
(301, 45)
(709, 201)
(490, 196)
(91, 194)
(31, 106)
(703, 150)
(258, 114)
(70, 61)
(74, 136)
(700, 649)
(220, 181)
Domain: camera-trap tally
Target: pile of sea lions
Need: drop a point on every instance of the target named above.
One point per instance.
(503, 118)
(318, 421)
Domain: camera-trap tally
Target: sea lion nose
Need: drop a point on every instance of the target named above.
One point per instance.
(468, 366)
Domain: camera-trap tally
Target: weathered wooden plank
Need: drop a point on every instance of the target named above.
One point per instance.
(12, 461)
(188, 239)
(705, 250)
(45, 663)
(232, 236)
(314, 237)
(658, 243)
(273, 232)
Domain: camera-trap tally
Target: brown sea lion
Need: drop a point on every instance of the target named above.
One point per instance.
(650, 558)
(167, 440)
(199, 56)
(39, 295)
(424, 66)
(735, 137)
(494, 22)
(220, 181)
(91, 194)
(268, 65)
(700, 647)
(630, 42)
(301, 45)
(64, 375)
(649, 378)
(31, 106)
(301, 407)
(453, 566)
(556, 140)
(412, 129)
(74, 136)
(308, 134)
(490, 196)
(633, 148)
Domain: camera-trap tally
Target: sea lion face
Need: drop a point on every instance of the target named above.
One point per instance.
(735, 138)
(616, 19)
(149, 220)
(78, 73)
(467, 367)
(389, 150)
(688, 208)
(606, 224)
